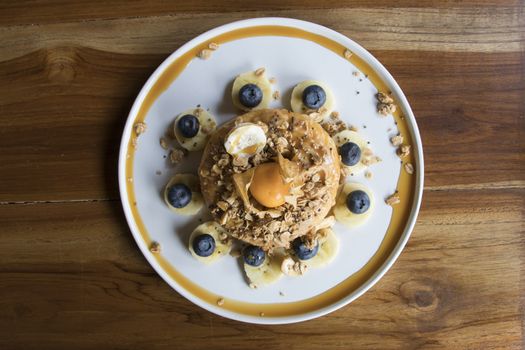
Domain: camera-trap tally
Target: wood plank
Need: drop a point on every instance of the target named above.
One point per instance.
(16, 12)
(71, 276)
(63, 110)
(471, 138)
(68, 129)
(426, 29)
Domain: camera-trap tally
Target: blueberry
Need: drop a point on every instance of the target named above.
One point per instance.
(358, 202)
(253, 256)
(302, 251)
(314, 97)
(250, 95)
(350, 153)
(188, 125)
(203, 245)
(179, 195)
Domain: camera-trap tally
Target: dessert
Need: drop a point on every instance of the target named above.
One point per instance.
(272, 179)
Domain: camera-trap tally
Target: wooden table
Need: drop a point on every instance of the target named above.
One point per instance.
(71, 276)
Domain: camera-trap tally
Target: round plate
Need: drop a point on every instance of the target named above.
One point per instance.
(291, 51)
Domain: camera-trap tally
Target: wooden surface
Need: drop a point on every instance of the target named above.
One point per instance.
(71, 277)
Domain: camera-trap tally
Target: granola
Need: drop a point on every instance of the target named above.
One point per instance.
(260, 71)
(334, 124)
(386, 105)
(204, 54)
(163, 143)
(176, 156)
(403, 151)
(393, 199)
(290, 267)
(384, 98)
(386, 109)
(154, 247)
(396, 140)
(140, 128)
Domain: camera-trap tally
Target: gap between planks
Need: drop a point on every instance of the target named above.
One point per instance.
(59, 201)
(502, 185)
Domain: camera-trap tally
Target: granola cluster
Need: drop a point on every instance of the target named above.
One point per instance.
(335, 124)
(226, 180)
(385, 105)
(206, 53)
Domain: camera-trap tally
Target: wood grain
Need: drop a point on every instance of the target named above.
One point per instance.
(81, 282)
(75, 149)
(71, 276)
(13, 12)
(426, 29)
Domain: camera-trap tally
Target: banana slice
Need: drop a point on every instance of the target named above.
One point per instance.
(191, 182)
(222, 246)
(245, 140)
(252, 77)
(267, 273)
(343, 214)
(345, 136)
(206, 126)
(328, 249)
(297, 99)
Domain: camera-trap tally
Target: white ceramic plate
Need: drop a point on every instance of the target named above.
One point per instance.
(291, 51)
